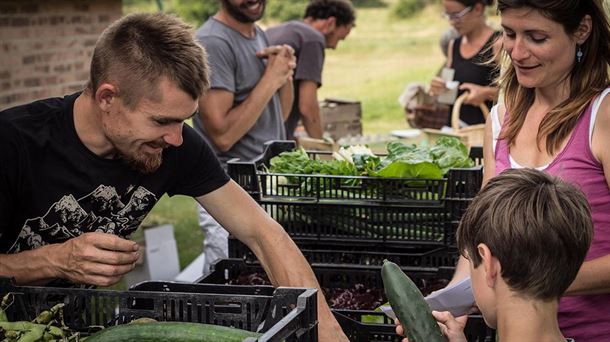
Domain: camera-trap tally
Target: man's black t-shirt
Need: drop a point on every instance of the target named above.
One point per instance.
(53, 188)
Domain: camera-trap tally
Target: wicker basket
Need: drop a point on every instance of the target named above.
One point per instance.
(427, 116)
(470, 135)
(473, 135)
(422, 110)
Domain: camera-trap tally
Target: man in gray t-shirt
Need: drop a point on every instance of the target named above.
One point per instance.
(250, 86)
(243, 109)
(325, 23)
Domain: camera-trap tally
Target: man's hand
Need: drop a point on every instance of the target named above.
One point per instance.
(281, 63)
(95, 258)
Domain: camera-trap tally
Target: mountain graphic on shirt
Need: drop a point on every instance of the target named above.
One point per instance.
(136, 210)
(102, 210)
(67, 212)
(104, 200)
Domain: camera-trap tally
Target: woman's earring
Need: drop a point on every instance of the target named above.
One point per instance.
(579, 54)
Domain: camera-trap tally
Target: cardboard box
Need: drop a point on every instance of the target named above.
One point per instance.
(159, 256)
(341, 117)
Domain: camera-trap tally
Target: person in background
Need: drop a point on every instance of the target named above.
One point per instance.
(448, 35)
(325, 24)
(525, 236)
(80, 173)
(250, 91)
(469, 55)
(555, 117)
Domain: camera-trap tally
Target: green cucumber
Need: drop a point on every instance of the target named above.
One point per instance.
(170, 331)
(409, 305)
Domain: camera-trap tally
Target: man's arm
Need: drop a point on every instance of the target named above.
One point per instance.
(310, 108)
(92, 258)
(279, 256)
(225, 124)
(286, 98)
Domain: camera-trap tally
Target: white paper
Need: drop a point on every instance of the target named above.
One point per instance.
(387, 310)
(450, 95)
(457, 299)
(447, 74)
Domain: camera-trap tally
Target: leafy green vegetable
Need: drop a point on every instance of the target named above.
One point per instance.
(450, 153)
(402, 161)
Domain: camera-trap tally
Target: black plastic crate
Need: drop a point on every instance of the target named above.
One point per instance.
(359, 325)
(396, 211)
(327, 252)
(282, 314)
(355, 325)
(226, 271)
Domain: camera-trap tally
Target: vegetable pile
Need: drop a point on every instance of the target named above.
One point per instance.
(356, 297)
(402, 161)
(408, 174)
(50, 326)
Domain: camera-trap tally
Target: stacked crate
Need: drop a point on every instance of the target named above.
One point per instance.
(341, 118)
(359, 211)
(282, 314)
(359, 325)
(346, 226)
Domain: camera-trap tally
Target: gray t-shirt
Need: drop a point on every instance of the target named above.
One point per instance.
(308, 44)
(235, 67)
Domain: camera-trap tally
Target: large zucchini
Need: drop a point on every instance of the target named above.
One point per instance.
(169, 332)
(409, 305)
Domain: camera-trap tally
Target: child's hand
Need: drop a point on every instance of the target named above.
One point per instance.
(400, 331)
(452, 329)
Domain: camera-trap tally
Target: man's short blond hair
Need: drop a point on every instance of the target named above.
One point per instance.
(136, 51)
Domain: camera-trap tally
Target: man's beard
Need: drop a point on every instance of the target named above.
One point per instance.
(143, 162)
(239, 14)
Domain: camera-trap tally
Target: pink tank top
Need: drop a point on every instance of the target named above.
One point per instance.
(584, 318)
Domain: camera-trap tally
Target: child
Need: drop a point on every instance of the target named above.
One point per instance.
(525, 236)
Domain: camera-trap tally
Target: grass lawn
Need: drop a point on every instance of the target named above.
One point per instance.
(373, 65)
(379, 57)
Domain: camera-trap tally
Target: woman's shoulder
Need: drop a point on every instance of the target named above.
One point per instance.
(497, 112)
(601, 104)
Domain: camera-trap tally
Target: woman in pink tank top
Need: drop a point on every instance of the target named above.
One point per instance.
(557, 118)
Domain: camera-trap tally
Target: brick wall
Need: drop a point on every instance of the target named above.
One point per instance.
(46, 46)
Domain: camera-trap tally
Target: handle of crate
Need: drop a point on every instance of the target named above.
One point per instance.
(457, 106)
(274, 148)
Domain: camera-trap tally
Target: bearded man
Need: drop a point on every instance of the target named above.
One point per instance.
(250, 96)
(79, 173)
(250, 91)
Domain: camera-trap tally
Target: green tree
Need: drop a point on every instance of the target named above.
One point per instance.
(282, 10)
(369, 3)
(195, 12)
(404, 9)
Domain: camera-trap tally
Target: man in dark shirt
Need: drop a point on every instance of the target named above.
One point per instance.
(325, 23)
(80, 173)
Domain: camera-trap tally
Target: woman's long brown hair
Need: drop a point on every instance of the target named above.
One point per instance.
(587, 79)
